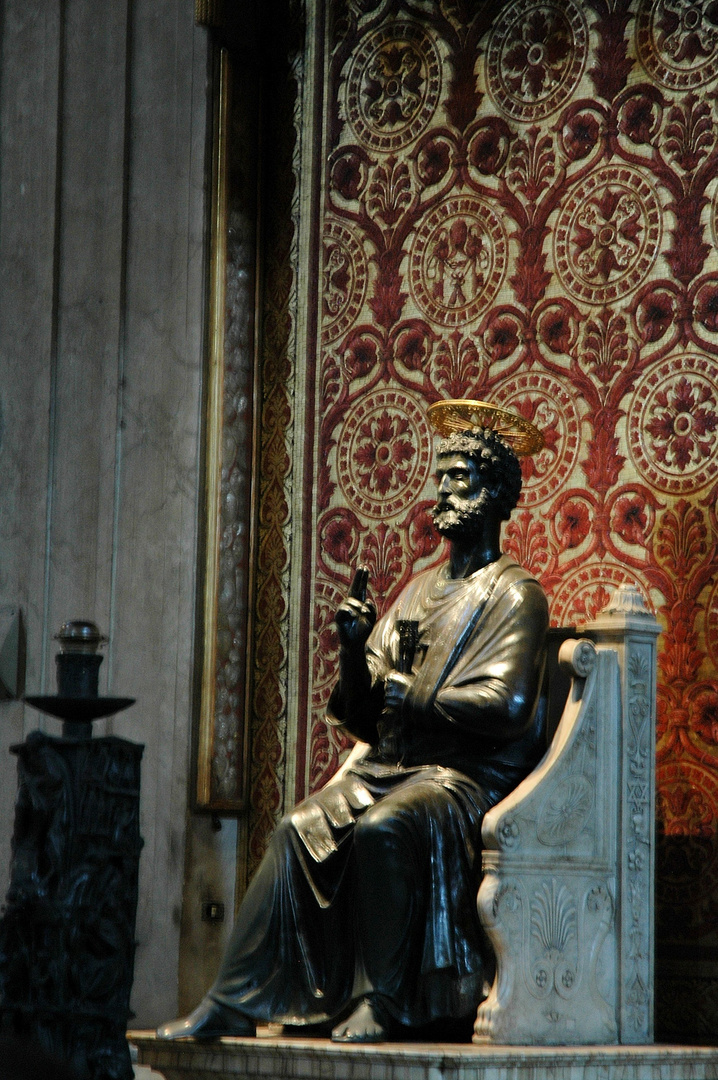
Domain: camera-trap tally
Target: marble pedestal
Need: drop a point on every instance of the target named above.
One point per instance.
(319, 1059)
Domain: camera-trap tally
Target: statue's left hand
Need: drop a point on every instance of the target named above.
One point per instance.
(396, 687)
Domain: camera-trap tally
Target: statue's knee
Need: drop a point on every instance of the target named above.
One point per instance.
(377, 832)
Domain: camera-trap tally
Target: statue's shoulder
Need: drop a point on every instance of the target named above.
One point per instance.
(516, 579)
(511, 573)
(520, 588)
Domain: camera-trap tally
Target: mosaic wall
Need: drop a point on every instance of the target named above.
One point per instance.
(518, 203)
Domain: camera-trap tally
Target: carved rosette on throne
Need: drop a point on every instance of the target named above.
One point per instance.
(567, 893)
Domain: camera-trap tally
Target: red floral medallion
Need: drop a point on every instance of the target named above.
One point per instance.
(608, 235)
(393, 86)
(537, 53)
(673, 425)
(677, 42)
(384, 454)
(584, 593)
(344, 280)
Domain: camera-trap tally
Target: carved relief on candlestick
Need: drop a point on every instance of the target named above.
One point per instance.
(384, 453)
(677, 42)
(393, 86)
(608, 234)
(536, 57)
(673, 425)
(553, 941)
(458, 260)
(544, 401)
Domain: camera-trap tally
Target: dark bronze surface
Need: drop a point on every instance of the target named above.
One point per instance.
(67, 934)
(366, 898)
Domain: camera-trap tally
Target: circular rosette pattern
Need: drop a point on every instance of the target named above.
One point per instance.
(607, 235)
(536, 57)
(384, 454)
(393, 87)
(458, 260)
(344, 278)
(677, 42)
(673, 425)
(565, 811)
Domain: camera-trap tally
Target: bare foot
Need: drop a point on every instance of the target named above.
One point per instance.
(365, 1025)
(208, 1021)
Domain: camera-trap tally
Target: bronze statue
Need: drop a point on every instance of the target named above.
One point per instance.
(363, 911)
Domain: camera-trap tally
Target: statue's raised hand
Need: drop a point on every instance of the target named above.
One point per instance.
(355, 618)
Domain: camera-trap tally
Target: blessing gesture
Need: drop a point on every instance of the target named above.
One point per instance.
(356, 616)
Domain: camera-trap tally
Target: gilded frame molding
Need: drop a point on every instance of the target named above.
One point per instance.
(225, 640)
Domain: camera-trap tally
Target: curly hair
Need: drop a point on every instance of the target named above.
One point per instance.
(496, 462)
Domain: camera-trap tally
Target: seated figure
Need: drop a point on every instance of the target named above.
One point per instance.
(363, 911)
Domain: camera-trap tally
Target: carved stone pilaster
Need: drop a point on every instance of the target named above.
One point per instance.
(630, 629)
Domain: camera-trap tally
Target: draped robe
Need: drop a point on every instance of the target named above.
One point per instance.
(369, 886)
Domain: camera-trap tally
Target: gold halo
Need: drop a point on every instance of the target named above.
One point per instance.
(450, 417)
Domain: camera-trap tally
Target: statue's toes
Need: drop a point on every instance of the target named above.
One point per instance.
(363, 1026)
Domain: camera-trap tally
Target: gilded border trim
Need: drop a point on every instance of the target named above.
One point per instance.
(214, 430)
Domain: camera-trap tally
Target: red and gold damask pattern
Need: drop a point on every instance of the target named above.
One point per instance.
(520, 205)
(276, 429)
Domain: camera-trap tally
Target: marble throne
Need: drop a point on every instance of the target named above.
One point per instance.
(567, 892)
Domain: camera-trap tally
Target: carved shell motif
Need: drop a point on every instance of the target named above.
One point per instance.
(553, 918)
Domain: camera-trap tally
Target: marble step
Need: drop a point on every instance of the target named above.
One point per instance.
(270, 1058)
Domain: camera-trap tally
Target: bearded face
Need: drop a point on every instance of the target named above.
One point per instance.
(461, 519)
(463, 498)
